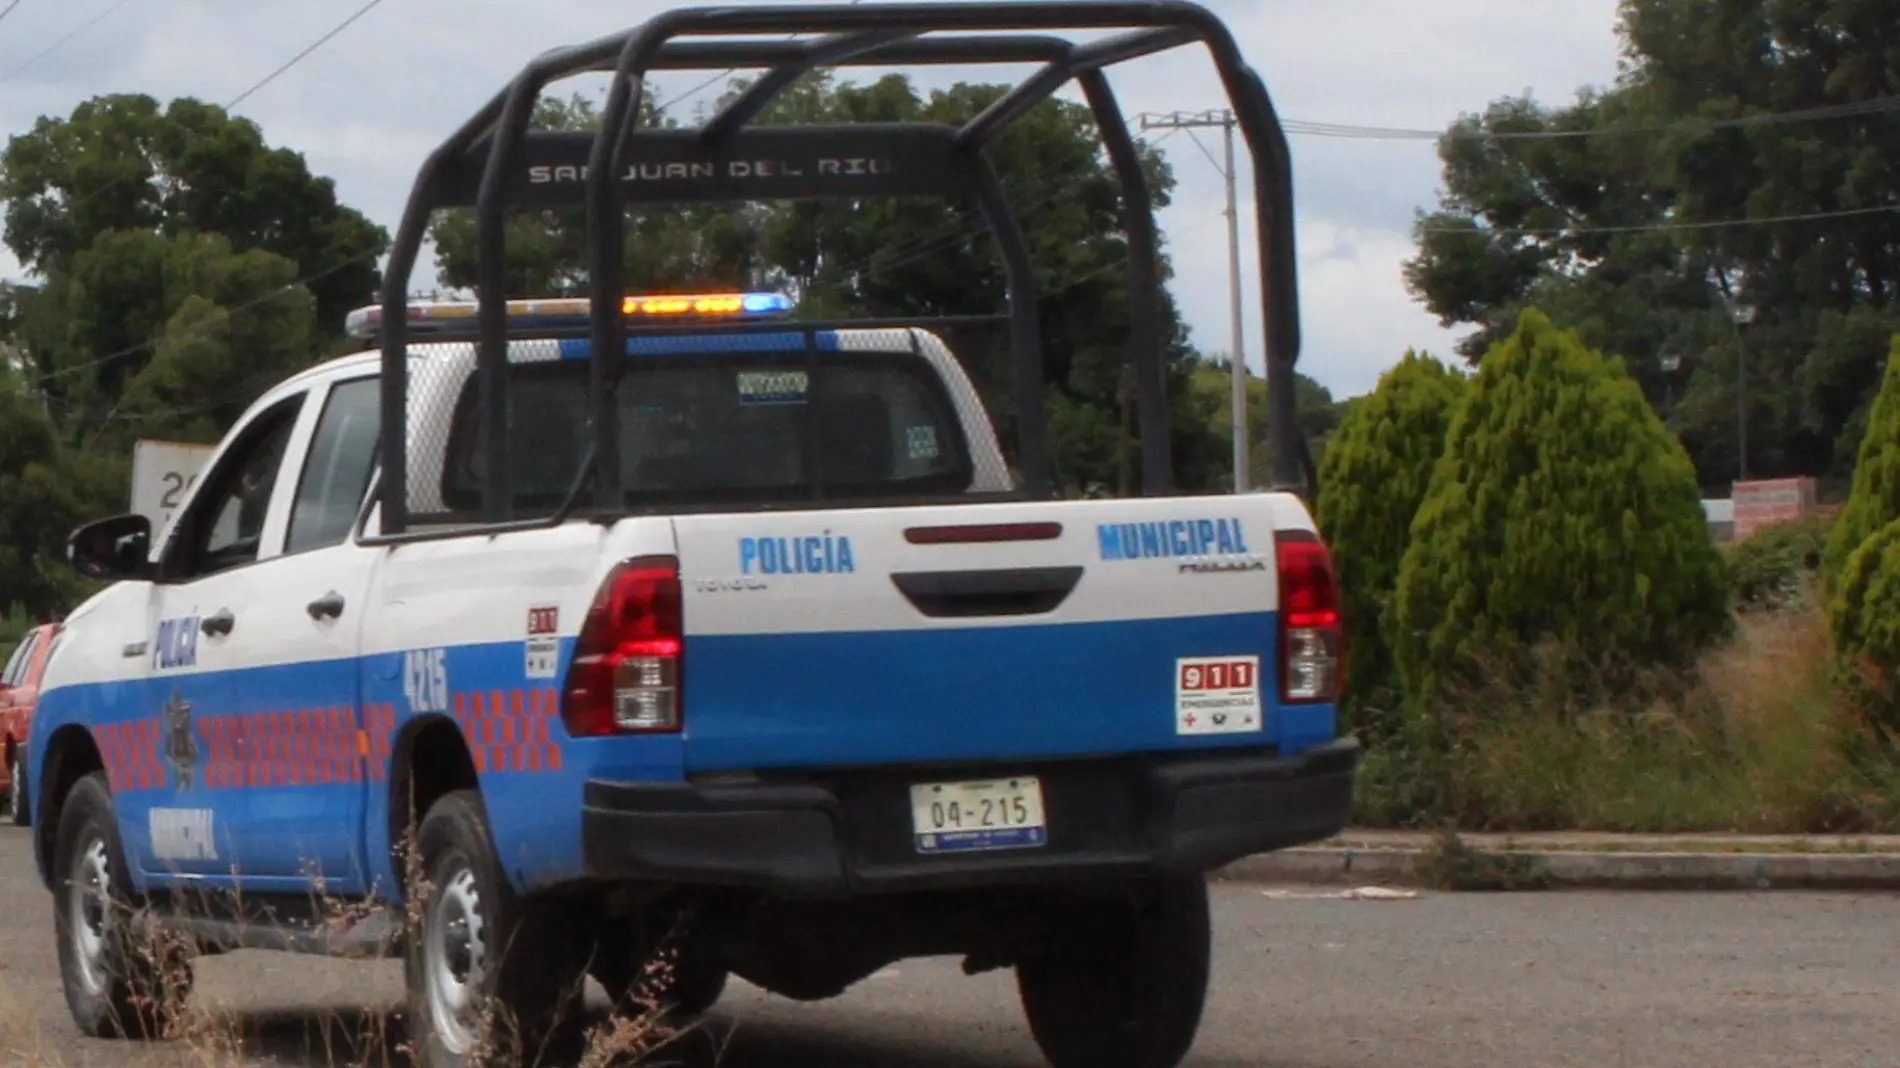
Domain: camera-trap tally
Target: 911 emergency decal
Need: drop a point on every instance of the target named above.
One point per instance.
(544, 643)
(1217, 695)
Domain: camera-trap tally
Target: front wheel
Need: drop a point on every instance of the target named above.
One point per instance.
(117, 984)
(1121, 983)
(16, 770)
(494, 979)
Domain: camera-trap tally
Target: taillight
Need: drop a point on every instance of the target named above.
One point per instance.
(626, 670)
(1310, 632)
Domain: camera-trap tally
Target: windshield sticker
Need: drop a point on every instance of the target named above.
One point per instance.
(923, 442)
(1217, 695)
(1172, 539)
(772, 387)
(818, 554)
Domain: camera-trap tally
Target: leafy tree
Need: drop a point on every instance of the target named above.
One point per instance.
(1561, 510)
(1373, 477)
(1605, 232)
(37, 505)
(1875, 499)
(120, 163)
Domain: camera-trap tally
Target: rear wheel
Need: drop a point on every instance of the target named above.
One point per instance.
(494, 979)
(1121, 984)
(120, 982)
(692, 982)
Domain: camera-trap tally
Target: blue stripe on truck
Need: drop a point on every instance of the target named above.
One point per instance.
(969, 693)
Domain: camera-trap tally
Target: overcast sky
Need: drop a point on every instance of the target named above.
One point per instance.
(366, 107)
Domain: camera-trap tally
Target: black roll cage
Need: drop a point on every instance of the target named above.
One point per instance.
(493, 161)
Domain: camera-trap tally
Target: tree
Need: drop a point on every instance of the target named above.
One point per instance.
(1625, 231)
(1373, 477)
(1874, 500)
(1562, 510)
(119, 163)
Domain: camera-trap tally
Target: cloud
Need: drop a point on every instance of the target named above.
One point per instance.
(367, 107)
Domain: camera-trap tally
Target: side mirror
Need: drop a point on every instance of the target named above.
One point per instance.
(114, 548)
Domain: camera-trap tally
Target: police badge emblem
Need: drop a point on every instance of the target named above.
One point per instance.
(181, 743)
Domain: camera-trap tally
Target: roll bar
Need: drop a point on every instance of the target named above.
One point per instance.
(494, 162)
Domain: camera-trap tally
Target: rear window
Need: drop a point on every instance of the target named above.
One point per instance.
(726, 428)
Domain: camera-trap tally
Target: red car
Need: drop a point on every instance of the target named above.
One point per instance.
(19, 690)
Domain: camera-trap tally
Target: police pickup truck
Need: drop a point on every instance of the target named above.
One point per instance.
(806, 742)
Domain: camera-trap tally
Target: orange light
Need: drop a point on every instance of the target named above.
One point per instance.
(706, 304)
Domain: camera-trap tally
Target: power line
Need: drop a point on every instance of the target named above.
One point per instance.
(1712, 224)
(1876, 106)
(301, 56)
(60, 43)
(8, 10)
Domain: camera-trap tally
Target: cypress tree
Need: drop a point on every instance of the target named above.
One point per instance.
(1562, 509)
(1865, 619)
(1874, 500)
(1372, 477)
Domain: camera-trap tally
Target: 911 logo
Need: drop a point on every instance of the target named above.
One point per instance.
(1200, 675)
(1217, 695)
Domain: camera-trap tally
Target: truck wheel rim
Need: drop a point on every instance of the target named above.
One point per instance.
(88, 905)
(453, 955)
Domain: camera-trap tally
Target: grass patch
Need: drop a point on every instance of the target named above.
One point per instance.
(1755, 738)
(1453, 864)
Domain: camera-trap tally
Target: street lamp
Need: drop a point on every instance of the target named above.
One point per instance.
(1742, 315)
(1670, 358)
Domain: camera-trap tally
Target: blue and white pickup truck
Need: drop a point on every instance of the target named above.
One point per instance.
(1021, 732)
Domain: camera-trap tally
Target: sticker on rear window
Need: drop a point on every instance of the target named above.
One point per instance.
(772, 387)
(1217, 695)
(923, 442)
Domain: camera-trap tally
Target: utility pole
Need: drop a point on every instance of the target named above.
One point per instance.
(1190, 121)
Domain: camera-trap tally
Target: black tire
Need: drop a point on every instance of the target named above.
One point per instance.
(121, 979)
(692, 985)
(523, 961)
(16, 765)
(1121, 984)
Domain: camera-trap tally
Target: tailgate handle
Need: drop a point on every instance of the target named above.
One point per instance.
(1016, 591)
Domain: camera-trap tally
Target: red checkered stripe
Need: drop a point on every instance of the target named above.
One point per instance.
(510, 730)
(133, 754)
(305, 747)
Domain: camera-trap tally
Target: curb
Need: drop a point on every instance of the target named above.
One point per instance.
(1581, 870)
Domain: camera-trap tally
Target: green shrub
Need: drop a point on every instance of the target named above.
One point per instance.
(1874, 500)
(1865, 616)
(1372, 477)
(1562, 510)
(1773, 568)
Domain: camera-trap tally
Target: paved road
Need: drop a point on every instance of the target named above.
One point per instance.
(1584, 979)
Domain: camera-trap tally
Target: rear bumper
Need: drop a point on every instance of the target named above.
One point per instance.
(849, 832)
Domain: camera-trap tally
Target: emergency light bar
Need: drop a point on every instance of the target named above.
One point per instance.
(430, 317)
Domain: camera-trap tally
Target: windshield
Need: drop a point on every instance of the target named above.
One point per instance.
(727, 428)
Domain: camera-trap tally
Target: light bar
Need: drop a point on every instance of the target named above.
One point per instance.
(437, 316)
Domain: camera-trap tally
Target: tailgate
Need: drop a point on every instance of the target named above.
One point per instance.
(984, 632)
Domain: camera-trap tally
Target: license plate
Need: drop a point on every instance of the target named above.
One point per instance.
(956, 817)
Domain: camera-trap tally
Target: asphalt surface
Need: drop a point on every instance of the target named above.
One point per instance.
(1591, 979)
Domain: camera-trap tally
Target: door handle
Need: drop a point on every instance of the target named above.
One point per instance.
(330, 604)
(220, 623)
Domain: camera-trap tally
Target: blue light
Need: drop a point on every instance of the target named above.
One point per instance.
(767, 303)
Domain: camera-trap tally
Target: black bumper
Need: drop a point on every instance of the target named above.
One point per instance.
(850, 832)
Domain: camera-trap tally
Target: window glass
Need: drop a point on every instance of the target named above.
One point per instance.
(22, 656)
(727, 427)
(336, 474)
(230, 525)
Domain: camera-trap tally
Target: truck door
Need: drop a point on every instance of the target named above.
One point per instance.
(306, 780)
(179, 767)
